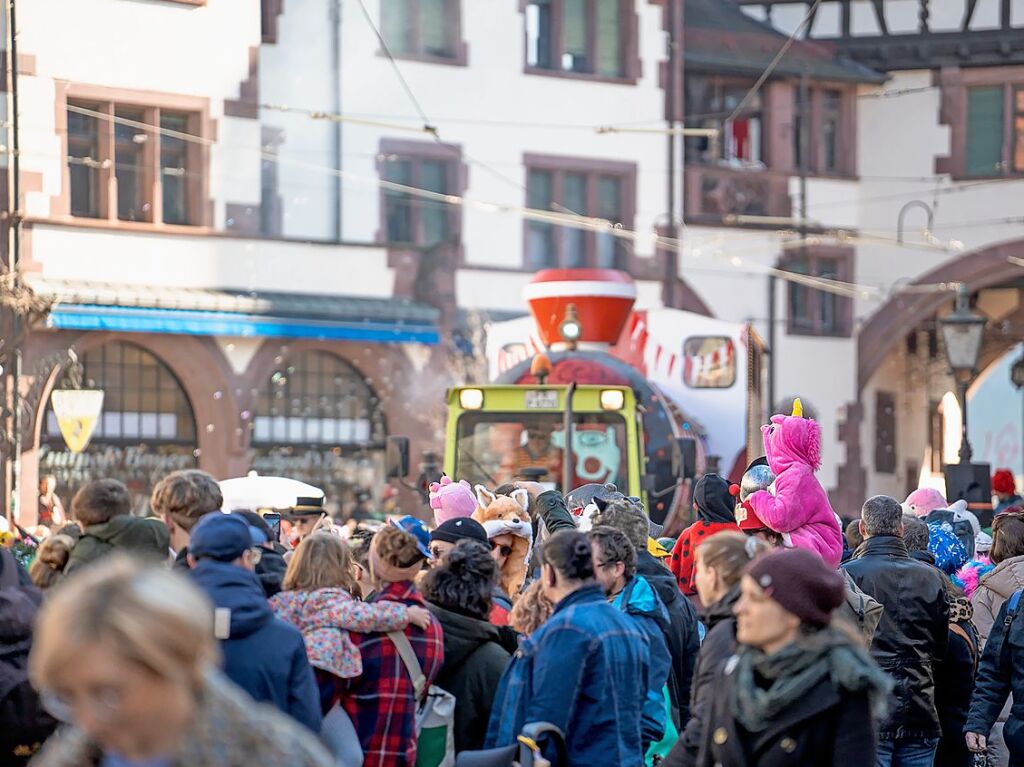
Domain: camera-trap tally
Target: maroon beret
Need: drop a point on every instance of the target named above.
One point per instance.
(801, 582)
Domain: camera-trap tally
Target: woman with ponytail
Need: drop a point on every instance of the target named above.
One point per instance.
(585, 670)
(717, 574)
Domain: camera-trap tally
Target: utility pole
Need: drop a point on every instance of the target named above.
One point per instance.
(14, 265)
(671, 251)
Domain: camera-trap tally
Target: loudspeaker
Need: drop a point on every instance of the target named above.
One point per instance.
(971, 482)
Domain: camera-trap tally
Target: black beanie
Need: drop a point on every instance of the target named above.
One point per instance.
(713, 500)
(801, 582)
(460, 529)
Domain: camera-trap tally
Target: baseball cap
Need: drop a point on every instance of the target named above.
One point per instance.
(219, 536)
(417, 530)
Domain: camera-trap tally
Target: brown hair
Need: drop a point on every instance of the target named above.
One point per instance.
(149, 616)
(321, 561)
(531, 610)
(397, 547)
(359, 544)
(1007, 536)
(51, 558)
(101, 501)
(853, 536)
(728, 554)
(186, 497)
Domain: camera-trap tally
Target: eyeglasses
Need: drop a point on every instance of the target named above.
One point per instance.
(436, 553)
(105, 704)
(504, 548)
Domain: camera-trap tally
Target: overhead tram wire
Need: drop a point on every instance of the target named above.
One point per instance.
(430, 127)
(572, 220)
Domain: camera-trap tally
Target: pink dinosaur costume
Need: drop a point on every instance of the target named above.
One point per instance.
(451, 500)
(799, 509)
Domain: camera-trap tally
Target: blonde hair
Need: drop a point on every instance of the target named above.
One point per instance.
(531, 610)
(728, 553)
(321, 561)
(51, 559)
(149, 616)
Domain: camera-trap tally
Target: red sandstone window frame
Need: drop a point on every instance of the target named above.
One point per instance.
(954, 84)
(629, 44)
(810, 322)
(593, 170)
(417, 153)
(150, 104)
(414, 9)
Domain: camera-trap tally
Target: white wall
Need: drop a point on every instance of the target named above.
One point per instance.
(150, 46)
(126, 258)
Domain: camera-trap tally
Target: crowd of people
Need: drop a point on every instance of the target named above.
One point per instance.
(764, 634)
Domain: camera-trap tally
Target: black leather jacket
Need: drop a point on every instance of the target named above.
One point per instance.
(912, 635)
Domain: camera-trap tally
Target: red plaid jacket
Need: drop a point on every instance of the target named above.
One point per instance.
(380, 702)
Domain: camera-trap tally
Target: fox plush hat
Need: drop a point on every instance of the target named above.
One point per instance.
(507, 515)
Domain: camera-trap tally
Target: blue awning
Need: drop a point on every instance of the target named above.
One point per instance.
(211, 312)
(201, 323)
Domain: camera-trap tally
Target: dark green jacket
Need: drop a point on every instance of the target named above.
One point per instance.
(143, 537)
(474, 661)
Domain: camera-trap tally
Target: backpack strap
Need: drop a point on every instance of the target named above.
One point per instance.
(956, 629)
(1014, 602)
(412, 663)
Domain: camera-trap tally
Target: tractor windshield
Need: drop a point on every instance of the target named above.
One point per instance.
(494, 448)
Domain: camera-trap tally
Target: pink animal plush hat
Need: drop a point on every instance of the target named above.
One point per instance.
(923, 501)
(451, 500)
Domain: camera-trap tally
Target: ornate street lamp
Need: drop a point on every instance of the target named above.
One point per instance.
(963, 333)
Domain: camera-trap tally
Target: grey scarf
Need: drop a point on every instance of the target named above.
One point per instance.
(790, 673)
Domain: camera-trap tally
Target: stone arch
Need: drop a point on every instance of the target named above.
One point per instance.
(884, 330)
(410, 397)
(195, 362)
(888, 326)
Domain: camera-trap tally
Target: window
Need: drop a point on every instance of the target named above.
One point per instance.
(146, 428)
(603, 192)
(413, 219)
(709, 362)
(885, 432)
(142, 400)
(173, 168)
(84, 164)
(586, 37)
(318, 398)
(130, 165)
(936, 436)
(818, 312)
(422, 28)
(831, 127)
(147, 166)
(709, 103)
(984, 131)
(995, 130)
(827, 146)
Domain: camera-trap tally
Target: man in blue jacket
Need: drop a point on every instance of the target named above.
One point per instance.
(263, 655)
(585, 670)
(615, 568)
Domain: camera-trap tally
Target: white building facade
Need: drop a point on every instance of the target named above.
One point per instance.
(866, 176)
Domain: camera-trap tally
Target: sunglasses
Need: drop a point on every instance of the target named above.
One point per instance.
(504, 548)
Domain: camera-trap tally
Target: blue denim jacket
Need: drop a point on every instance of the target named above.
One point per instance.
(586, 671)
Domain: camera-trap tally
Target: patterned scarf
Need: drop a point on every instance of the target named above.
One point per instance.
(798, 667)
